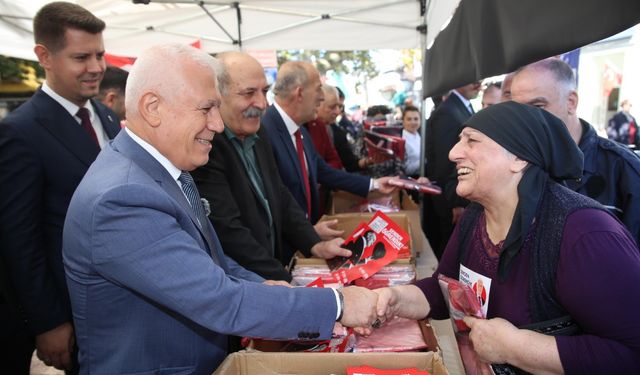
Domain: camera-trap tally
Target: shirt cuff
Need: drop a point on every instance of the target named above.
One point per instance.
(373, 184)
(339, 303)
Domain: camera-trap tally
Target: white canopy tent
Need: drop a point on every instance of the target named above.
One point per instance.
(244, 24)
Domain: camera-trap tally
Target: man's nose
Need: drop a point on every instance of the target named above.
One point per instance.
(96, 65)
(214, 122)
(261, 101)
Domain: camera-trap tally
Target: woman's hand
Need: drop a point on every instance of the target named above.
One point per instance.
(498, 341)
(491, 338)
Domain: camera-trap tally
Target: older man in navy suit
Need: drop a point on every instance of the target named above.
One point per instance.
(151, 289)
(46, 146)
(298, 95)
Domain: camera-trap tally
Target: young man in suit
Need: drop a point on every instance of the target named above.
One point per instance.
(298, 95)
(443, 129)
(46, 146)
(255, 216)
(150, 286)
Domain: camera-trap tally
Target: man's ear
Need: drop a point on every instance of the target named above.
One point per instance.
(110, 99)
(572, 102)
(298, 93)
(44, 56)
(149, 108)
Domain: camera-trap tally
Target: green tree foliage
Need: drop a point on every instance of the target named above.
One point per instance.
(349, 62)
(12, 69)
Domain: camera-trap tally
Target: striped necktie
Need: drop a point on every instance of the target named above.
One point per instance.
(191, 192)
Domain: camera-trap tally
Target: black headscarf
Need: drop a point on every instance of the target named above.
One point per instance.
(540, 138)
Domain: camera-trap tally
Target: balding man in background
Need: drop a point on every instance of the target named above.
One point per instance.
(611, 172)
(327, 112)
(298, 95)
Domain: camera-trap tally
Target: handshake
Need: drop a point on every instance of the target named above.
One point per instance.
(365, 309)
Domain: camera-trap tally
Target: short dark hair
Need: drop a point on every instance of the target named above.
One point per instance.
(114, 78)
(340, 93)
(378, 110)
(409, 108)
(52, 21)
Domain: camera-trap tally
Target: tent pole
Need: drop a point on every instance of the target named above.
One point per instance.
(201, 5)
(424, 8)
(239, 23)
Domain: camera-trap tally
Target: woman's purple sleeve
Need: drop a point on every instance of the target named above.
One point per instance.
(447, 266)
(598, 283)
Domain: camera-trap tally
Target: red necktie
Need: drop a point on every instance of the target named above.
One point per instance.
(632, 132)
(303, 166)
(83, 113)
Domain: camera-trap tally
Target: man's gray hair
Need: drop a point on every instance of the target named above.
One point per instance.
(224, 79)
(561, 71)
(291, 75)
(154, 70)
(327, 88)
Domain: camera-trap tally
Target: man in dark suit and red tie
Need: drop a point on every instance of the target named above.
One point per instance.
(298, 95)
(46, 146)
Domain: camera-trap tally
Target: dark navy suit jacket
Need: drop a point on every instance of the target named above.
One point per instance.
(319, 171)
(44, 154)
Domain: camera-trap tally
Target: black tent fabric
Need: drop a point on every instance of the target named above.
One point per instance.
(491, 37)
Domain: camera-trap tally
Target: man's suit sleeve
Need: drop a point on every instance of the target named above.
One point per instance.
(238, 241)
(21, 233)
(338, 179)
(138, 242)
(240, 272)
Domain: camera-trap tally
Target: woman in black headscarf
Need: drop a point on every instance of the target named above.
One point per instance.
(551, 260)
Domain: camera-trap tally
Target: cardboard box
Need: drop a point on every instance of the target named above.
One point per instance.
(259, 363)
(428, 335)
(343, 202)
